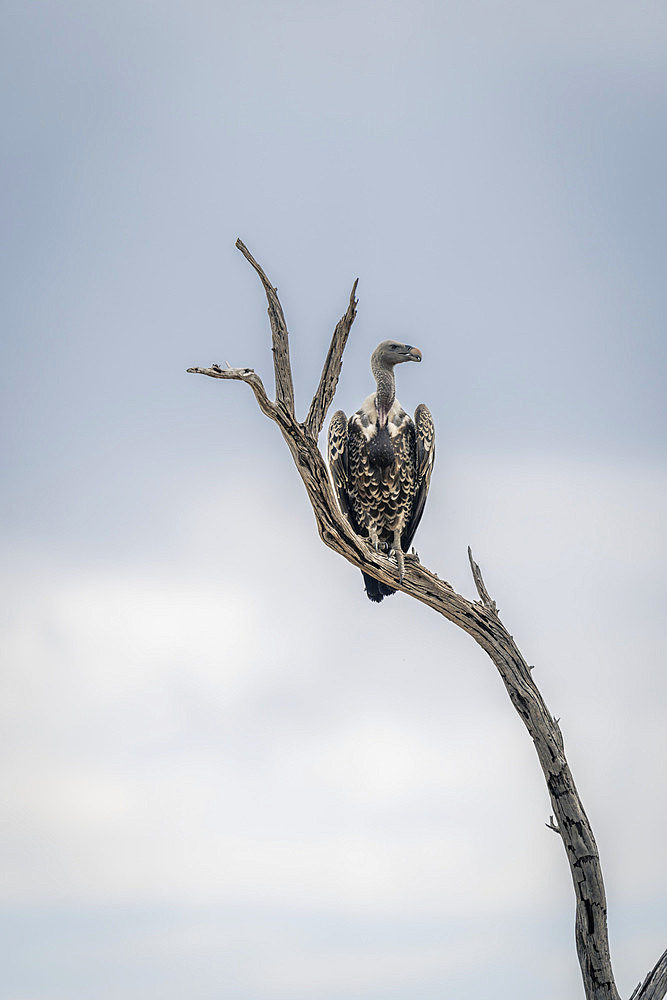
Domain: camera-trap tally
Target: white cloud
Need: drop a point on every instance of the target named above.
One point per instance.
(177, 735)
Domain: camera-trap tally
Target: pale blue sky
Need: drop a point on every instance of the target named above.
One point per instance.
(235, 787)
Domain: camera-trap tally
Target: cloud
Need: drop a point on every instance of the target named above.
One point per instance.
(190, 731)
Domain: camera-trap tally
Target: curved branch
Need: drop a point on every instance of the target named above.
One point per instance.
(280, 337)
(481, 621)
(247, 375)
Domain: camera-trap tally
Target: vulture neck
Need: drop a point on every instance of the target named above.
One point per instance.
(386, 389)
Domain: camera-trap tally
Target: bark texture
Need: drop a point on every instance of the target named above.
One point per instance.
(480, 619)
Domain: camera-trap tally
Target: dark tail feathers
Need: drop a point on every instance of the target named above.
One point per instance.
(375, 590)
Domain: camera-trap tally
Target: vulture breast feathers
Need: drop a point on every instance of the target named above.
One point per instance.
(381, 462)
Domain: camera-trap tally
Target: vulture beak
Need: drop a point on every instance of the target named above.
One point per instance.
(414, 354)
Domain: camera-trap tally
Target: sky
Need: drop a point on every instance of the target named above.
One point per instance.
(226, 774)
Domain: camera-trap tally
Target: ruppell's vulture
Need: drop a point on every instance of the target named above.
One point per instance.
(381, 462)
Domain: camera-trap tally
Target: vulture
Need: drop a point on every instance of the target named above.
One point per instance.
(381, 463)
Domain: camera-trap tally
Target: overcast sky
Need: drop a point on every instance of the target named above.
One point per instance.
(225, 774)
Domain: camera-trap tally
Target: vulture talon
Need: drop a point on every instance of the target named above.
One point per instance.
(399, 555)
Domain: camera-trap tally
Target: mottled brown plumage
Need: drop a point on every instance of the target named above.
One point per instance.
(381, 462)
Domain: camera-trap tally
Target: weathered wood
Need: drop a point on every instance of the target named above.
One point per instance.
(280, 338)
(247, 375)
(654, 986)
(326, 390)
(480, 619)
(479, 584)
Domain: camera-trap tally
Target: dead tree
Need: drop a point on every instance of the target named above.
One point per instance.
(479, 619)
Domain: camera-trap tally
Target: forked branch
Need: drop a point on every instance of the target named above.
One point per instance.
(479, 619)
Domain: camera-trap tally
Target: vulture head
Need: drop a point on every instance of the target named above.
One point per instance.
(391, 352)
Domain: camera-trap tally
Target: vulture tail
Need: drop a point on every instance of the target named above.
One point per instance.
(375, 590)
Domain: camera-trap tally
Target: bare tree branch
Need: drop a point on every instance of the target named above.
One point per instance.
(242, 375)
(280, 337)
(552, 826)
(479, 583)
(481, 621)
(654, 986)
(326, 390)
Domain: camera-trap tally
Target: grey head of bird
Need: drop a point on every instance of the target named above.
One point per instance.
(384, 358)
(392, 352)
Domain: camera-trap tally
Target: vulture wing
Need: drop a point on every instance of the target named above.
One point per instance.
(338, 462)
(425, 457)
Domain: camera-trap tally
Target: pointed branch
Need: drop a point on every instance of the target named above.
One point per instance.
(551, 825)
(280, 336)
(326, 390)
(479, 584)
(654, 986)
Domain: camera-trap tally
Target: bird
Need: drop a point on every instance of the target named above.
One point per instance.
(381, 463)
